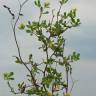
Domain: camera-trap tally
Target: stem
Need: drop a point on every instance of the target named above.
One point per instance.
(12, 89)
(67, 79)
(58, 12)
(17, 45)
(52, 19)
(14, 32)
(46, 59)
(63, 47)
(73, 83)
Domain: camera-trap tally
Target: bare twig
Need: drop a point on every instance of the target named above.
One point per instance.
(15, 37)
(14, 32)
(73, 83)
(12, 14)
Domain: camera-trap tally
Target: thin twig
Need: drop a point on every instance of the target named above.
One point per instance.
(58, 12)
(14, 32)
(12, 89)
(18, 48)
(67, 78)
(73, 83)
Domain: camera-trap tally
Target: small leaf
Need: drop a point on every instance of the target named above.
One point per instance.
(65, 15)
(63, 1)
(37, 3)
(30, 57)
(46, 12)
(18, 60)
(28, 31)
(46, 4)
(22, 26)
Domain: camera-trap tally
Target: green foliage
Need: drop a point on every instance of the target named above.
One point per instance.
(75, 56)
(21, 87)
(8, 76)
(50, 34)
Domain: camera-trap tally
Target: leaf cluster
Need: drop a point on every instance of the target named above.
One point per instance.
(8, 76)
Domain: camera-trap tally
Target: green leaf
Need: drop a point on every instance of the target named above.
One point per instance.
(22, 26)
(75, 56)
(28, 31)
(63, 1)
(18, 60)
(46, 4)
(72, 13)
(30, 57)
(65, 15)
(8, 76)
(78, 22)
(43, 24)
(47, 80)
(37, 3)
(46, 12)
(49, 61)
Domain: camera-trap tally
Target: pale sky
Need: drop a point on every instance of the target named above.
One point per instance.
(81, 39)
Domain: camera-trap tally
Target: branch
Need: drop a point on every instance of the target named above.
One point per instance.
(67, 78)
(14, 32)
(12, 89)
(15, 37)
(10, 12)
(58, 13)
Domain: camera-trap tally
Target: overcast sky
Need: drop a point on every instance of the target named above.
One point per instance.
(81, 39)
